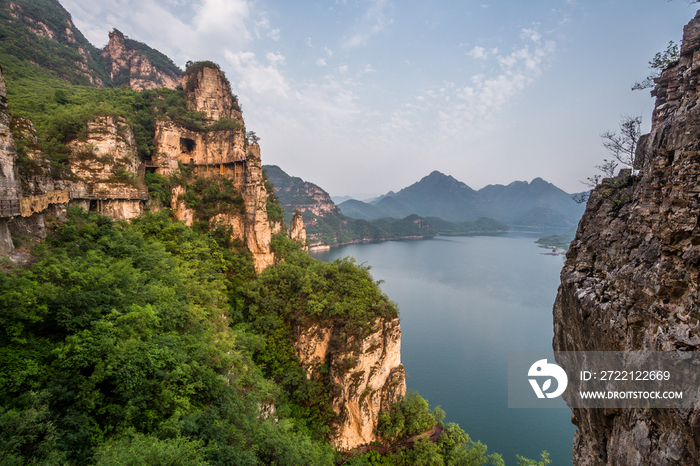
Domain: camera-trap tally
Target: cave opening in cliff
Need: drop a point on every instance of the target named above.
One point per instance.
(187, 144)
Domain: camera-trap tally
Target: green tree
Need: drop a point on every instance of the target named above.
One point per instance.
(657, 64)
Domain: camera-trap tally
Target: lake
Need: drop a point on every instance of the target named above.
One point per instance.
(464, 303)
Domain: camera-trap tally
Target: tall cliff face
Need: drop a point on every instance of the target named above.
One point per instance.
(631, 277)
(297, 231)
(209, 91)
(107, 175)
(219, 153)
(368, 377)
(132, 63)
(9, 178)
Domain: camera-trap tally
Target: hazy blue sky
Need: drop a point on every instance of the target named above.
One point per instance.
(366, 96)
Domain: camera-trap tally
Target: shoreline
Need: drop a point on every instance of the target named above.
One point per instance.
(327, 247)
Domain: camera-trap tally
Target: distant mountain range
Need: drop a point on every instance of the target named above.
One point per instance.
(534, 204)
(326, 225)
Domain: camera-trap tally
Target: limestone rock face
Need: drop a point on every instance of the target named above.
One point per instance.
(37, 180)
(180, 210)
(368, 378)
(218, 153)
(258, 234)
(631, 277)
(215, 152)
(297, 230)
(9, 178)
(127, 64)
(105, 168)
(208, 91)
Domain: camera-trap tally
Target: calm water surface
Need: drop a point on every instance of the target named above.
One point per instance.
(465, 302)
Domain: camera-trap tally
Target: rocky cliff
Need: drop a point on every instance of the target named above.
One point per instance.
(297, 231)
(217, 154)
(132, 63)
(106, 173)
(367, 375)
(297, 194)
(631, 277)
(9, 178)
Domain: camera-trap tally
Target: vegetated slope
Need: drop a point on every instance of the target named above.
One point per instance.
(40, 34)
(151, 343)
(534, 204)
(325, 225)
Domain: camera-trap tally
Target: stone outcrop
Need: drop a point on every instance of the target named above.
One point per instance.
(9, 178)
(106, 170)
(209, 91)
(631, 277)
(214, 152)
(127, 65)
(297, 231)
(222, 153)
(36, 177)
(367, 375)
(257, 226)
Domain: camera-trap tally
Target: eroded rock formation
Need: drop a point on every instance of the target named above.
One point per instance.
(107, 175)
(367, 375)
(218, 153)
(9, 178)
(297, 231)
(631, 277)
(127, 65)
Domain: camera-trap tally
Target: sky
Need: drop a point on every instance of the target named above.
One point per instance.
(366, 96)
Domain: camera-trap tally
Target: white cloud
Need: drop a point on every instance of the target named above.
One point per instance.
(328, 51)
(274, 59)
(262, 24)
(221, 17)
(321, 62)
(274, 34)
(343, 68)
(308, 42)
(253, 76)
(478, 52)
(367, 69)
(531, 34)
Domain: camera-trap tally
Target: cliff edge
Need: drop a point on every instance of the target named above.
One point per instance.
(630, 281)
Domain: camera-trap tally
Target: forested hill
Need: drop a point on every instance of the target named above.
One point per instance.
(325, 224)
(38, 37)
(534, 204)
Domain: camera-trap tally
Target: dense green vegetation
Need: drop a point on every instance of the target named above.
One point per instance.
(150, 343)
(56, 57)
